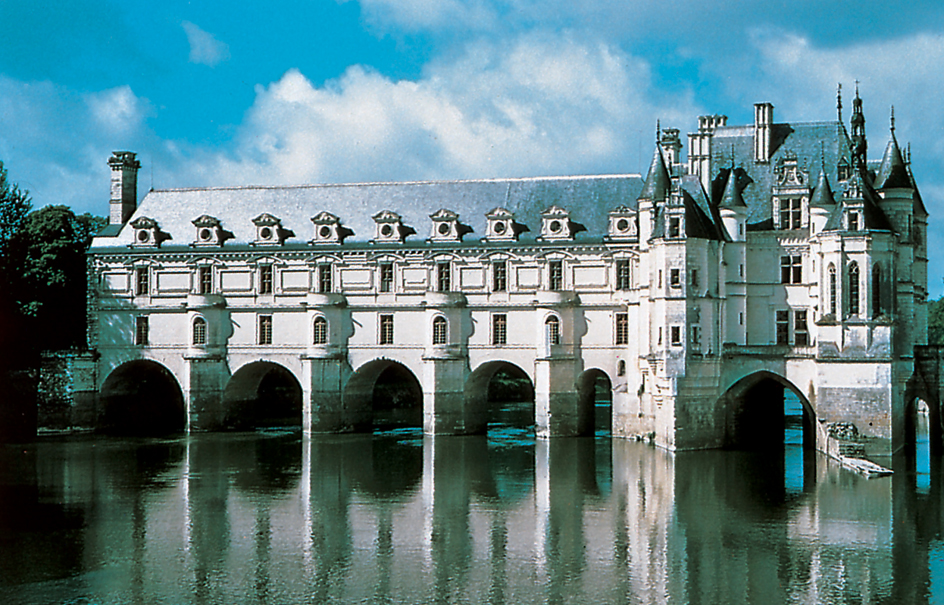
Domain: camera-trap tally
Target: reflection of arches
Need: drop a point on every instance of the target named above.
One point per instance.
(504, 390)
(142, 397)
(389, 389)
(753, 411)
(262, 393)
(595, 394)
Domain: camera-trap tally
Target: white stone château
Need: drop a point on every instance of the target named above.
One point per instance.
(776, 256)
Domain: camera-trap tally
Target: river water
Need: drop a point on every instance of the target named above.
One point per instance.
(396, 517)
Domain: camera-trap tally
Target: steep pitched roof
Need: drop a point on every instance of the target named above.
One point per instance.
(892, 173)
(658, 184)
(823, 193)
(732, 198)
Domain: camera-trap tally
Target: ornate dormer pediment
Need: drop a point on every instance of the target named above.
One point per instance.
(789, 173)
(210, 231)
(269, 231)
(390, 228)
(147, 233)
(622, 224)
(557, 226)
(446, 227)
(502, 226)
(328, 229)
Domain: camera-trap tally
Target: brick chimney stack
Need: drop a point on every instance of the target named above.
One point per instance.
(124, 186)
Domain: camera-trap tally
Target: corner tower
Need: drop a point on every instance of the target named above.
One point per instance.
(124, 186)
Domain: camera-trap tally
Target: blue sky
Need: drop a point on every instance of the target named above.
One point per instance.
(301, 91)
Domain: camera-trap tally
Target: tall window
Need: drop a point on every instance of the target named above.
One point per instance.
(386, 329)
(675, 227)
(675, 278)
(791, 214)
(142, 282)
(623, 275)
(853, 221)
(854, 288)
(552, 330)
(622, 328)
(440, 331)
(675, 333)
(320, 331)
(791, 269)
(205, 280)
(694, 278)
(783, 327)
(555, 275)
(801, 332)
(444, 277)
(386, 277)
(696, 339)
(265, 329)
(265, 279)
(324, 279)
(199, 331)
(499, 329)
(876, 290)
(832, 289)
(499, 276)
(141, 330)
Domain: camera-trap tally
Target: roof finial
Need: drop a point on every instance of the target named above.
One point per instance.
(658, 131)
(893, 119)
(909, 153)
(839, 101)
(857, 88)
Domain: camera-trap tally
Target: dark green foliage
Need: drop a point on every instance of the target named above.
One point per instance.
(936, 322)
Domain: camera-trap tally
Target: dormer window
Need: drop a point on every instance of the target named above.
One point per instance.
(502, 226)
(557, 226)
(675, 226)
(791, 213)
(328, 229)
(210, 231)
(390, 228)
(622, 224)
(269, 231)
(446, 227)
(853, 221)
(147, 233)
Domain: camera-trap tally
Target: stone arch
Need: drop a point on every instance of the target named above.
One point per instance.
(753, 416)
(142, 397)
(384, 392)
(918, 390)
(481, 394)
(590, 383)
(262, 394)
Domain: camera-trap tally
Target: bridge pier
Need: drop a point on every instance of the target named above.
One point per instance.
(557, 407)
(322, 405)
(205, 380)
(446, 410)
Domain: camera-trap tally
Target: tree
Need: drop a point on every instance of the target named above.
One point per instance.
(936, 322)
(14, 207)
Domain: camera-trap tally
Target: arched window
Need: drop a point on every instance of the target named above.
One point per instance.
(854, 288)
(320, 332)
(440, 331)
(876, 290)
(199, 331)
(832, 289)
(552, 330)
(621, 368)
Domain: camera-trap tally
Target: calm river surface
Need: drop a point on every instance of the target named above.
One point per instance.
(396, 517)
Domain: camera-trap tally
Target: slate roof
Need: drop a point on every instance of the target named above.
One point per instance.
(588, 198)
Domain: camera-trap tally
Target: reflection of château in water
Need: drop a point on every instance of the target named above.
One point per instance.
(775, 255)
(244, 517)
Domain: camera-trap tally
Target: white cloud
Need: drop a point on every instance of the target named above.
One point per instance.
(118, 111)
(204, 48)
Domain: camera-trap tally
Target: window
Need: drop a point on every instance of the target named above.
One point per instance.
(696, 339)
(555, 275)
(265, 279)
(320, 332)
(142, 283)
(552, 330)
(801, 332)
(623, 275)
(622, 328)
(675, 333)
(854, 288)
(141, 330)
(832, 289)
(621, 368)
(444, 277)
(660, 278)
(675, 227)
(199, 331)
(499, 276)
(791, 269)
(853, 221)
(694, 278)
(386, 329)
(675, 278)
(205, 280)
(660, 335)
(386, 277)
(440, 331)
(740, 318)
(791, 214)
(876, 290)
(265, 329)
(783, 327)
(499, 329)
(324, 279)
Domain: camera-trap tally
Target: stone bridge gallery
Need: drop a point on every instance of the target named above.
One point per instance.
(775, 256)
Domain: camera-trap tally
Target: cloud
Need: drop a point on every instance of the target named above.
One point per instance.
(204, 48)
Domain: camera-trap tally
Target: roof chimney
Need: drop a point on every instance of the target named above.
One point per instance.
(124, 186)
(763, 123)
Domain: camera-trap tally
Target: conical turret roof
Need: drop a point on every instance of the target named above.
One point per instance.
(893, 173)
(732, 197)
(823, 193)
(658, 183)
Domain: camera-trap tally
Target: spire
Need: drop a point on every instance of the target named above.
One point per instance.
(823, 193)
(839, 102)
(732, 194)
(658, 184)
(893, 173)
(859, 144)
